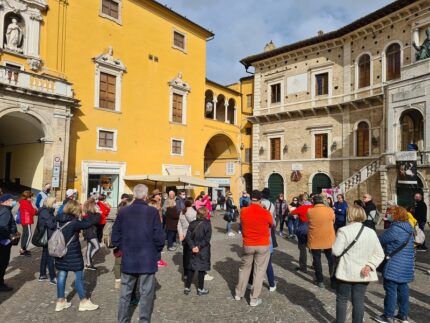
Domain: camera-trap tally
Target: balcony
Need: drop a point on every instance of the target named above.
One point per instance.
(25, 81)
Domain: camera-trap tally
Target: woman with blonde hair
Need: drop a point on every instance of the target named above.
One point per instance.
(70, 226)
(91, 213)
(46, 222)
(358, 253)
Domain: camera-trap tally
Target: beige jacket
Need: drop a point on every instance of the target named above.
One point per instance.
(366, 251)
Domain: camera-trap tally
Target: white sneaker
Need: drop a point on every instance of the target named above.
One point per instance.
(230, 234)
(257, 302)
(237, 298)
(62, 305)
(87, 306)
(208, 277)
(272, 289)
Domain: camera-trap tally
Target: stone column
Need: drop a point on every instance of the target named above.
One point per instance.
(214, 103)
(384, 187)
(226, 111)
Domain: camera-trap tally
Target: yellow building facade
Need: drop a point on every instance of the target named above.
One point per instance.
(126, 101)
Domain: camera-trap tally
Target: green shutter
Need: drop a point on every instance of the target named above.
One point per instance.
(319, 182)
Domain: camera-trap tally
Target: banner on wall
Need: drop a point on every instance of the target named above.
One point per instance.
(332, 192)
(407, 168)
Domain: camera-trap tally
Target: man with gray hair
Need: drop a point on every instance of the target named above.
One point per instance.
(138, 225)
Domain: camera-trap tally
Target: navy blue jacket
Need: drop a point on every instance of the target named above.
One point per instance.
(340, 211)
(72, 261)
(7, 223)
(400, 268)
(138, 233)
(46, 220)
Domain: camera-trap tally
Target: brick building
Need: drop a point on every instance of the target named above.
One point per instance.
(333, 110)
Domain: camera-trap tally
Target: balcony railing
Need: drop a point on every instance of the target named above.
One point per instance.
(34, 82)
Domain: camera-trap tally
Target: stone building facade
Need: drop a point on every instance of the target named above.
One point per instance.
(326, 112)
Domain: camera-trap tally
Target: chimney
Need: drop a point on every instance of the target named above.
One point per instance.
(320, 33)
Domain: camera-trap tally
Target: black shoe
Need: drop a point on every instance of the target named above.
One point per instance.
(91, 267)
(53, 281)
(203, 291)
(383, 319)
(43, 278)
(25, 253)
(5, 288)
(300, 269)
(187, 291)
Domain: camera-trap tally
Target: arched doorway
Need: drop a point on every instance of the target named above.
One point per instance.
(405, 193)
(411, 129)
(319, 182)
(220, 164)
(276, 186)
(22, 146)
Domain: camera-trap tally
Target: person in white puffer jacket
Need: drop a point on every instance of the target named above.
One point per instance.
(357, 267)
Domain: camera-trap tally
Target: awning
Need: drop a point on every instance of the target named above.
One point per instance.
(172, 180)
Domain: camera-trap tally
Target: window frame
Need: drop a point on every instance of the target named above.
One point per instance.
(249, 99)
(115, 139)
(356, 137)
(184, 95)
(357, 71)
(318, 71)
(384, 60)
(269, 92)
(118, 87)
(281, 144)
(184, 50)
(321, 130)
(182, 147)
(104, 15)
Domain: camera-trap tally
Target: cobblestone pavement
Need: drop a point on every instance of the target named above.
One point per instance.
(296, 299)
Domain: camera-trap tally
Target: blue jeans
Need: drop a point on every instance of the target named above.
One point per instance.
(269, 271)
(292, 224)
(79, 283)
(396, 294)
(47, 260)
(229, 224)
(171, 238)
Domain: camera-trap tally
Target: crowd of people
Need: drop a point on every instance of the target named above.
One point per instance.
(146, 223)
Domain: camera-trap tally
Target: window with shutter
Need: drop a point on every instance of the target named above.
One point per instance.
(111, 8)
(179, 40)
(275, 93)
(321, 84)
(321, 145)
(107, 91)
(176, 147)
(249, 100)
(275, 148)
(364, 71)
(362, 139)
(106, 139)
(392, 55)
(177, 108)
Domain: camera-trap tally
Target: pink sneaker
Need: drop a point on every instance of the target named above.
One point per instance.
(161, 264)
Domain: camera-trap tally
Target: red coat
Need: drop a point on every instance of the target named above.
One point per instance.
(27, 212)
(105, 210)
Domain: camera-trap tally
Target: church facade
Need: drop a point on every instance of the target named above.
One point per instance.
(337, 110)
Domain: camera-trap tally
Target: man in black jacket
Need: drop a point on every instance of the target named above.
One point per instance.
(371, 211)
(7, 228)
(420, 214)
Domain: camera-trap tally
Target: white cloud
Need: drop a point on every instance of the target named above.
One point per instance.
(243, 27)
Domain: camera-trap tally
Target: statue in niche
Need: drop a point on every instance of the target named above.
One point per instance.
(14, 36)
(423, 51)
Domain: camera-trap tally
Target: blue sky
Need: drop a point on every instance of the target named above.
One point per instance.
(243, 27)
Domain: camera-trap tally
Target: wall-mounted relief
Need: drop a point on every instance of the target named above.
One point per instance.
(20, 27)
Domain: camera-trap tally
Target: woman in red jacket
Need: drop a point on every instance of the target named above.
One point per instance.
(26, 211)
(104, 210)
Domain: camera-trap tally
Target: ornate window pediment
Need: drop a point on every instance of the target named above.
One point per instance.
(179, 84)
(109, 61)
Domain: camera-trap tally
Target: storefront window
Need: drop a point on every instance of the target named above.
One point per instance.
(105, 184)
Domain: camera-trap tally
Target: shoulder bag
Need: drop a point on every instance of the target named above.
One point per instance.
(393, 253)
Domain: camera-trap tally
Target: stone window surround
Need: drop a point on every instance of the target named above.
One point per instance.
(115, 139)
(175, 30)
(272, 135)
(184, 95)
(384, 59)
(357, 72)
(320, 70)
(321, 130)
(103, 15)
(271, 82)
(118, 86)
(355, 137)
(182, 147)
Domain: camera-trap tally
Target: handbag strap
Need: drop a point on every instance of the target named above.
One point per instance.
(73, 236)
(353, 242)
(399, 248)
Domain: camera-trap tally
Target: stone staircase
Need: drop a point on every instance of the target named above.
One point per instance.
(359, 177)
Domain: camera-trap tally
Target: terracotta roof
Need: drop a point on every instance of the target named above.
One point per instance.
(181, 17)
(372, 17)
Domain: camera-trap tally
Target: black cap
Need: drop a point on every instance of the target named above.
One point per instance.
(256, 195)
(7, 197)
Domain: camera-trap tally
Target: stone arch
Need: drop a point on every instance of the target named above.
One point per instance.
(411, 129)
(231, 111)
(356, 139)
(358, 63)
(384, 57)
(209, 104)
(220, 108)
(312, 177)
